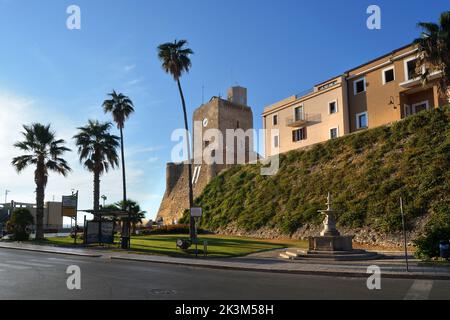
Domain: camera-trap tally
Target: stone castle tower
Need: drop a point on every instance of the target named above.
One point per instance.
(219, 114)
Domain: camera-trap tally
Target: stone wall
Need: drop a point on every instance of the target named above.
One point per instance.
(176, 198)
(363, 236)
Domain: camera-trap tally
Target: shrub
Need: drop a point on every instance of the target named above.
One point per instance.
(19, 224)
(436, 230)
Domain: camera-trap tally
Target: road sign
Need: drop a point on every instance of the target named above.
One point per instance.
(69, 206)
(196, 212)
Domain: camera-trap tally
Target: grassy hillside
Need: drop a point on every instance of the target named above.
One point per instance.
(366, 173)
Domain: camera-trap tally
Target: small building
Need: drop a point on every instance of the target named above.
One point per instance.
(53, 218)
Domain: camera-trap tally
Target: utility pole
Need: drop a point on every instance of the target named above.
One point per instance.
(75, 195)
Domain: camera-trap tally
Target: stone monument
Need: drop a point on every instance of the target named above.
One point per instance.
(330, 238)
(330, 245)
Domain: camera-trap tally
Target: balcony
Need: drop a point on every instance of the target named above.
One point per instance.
(416, 81)
(303, 120)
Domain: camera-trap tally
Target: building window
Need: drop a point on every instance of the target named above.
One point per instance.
(275, 120)
(359, 85)
(276, 142)
(299, 114)
(299, 135)
(388, 75)
(411, 69)
(334, 133)
(362, 121)
(333, 107)
(416, 108)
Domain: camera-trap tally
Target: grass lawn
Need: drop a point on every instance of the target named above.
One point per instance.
(218, 246)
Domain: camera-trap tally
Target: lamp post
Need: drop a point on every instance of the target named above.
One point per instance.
(6, 195)
(104, 198)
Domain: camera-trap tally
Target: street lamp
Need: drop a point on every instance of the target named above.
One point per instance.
(104, 198)
(6, 196)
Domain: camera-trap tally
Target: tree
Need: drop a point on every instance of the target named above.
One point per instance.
(44, 152)
(175, 58)
(97, 150)
(136, 214)
(434, 52)
(121, 108)
(21, 220)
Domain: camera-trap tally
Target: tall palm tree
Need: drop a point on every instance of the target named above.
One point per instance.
(44, 152)
(175, 58)
(97, 149)
(434, 51)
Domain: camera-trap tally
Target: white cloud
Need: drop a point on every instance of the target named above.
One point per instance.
(130, 67)
(134, 82)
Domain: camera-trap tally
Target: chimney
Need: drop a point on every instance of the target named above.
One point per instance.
(238, 95)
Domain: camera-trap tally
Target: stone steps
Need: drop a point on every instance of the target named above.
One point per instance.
(356, 255)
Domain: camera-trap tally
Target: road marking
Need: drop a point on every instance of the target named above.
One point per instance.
(420, 290)
(11, 266)
(31, 264)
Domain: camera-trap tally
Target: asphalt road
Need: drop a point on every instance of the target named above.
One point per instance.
(27, 275)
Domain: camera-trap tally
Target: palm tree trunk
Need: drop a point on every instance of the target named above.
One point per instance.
(40, 196)
(126, 226)
(191, 191)
(96, 191)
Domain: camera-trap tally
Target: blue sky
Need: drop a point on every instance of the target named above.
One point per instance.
(274, 48)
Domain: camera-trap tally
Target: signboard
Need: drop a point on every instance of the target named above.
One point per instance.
(196, 212)
(69, 206)
(107, 232)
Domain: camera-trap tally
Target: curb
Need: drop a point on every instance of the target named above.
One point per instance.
(410, 276)
(78, 254)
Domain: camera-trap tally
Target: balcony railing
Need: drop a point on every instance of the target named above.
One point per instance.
(303, 120)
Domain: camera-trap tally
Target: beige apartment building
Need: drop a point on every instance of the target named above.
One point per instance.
(53, 218)
(376, 93)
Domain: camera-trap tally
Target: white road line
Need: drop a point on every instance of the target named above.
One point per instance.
(53, 262)
(11, 266)
(420, 290)
(31, 264)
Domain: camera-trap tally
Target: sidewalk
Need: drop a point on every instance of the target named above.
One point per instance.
(391, 267)
(50, 249)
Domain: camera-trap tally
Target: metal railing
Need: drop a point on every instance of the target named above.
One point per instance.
(303, 119)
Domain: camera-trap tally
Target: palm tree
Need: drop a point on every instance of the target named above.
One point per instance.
(136, 214)
(121, 107)
(97, 149)
(175, 61)
(44, 152)
(434, 51)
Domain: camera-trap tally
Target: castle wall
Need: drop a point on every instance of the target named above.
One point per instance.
(176, 198)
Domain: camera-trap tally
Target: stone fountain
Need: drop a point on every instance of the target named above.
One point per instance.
(330, 238)
(330, 245)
